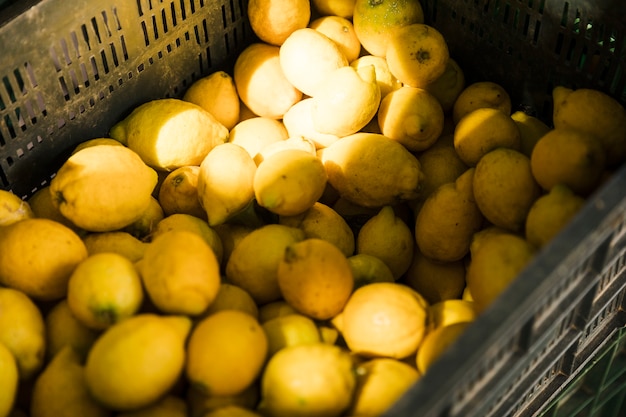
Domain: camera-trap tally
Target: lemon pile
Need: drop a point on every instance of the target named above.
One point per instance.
(303, 236)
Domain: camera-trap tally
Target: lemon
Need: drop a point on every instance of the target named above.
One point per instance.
(570, 157)
(13, 208)
(299, 122)
(133, 347)
(384, 78)
(315, 278)
(225, 353)
(217, 94)
(37, 257)
(293, 142)
(231, 411)
(42, 206)
(375, 21)
(274, 21)
(343, 8)
(417, 54)
(168, 406)
(22, 331)
(178, 192)
(232, 297)
(307, 57)
(96, 141)
(289, 182)
(531, 130)
(104, 289)
(144, 226)
(481, 94)
(122, 243)
(290, 330)
(261, 81)
(504, 188)
(200, 404)
(380, 383)
(64, 329)
(447, 88)
(484, 130)
(436, 281)
(225, 182)
(440, 164)
(257, 132)
(153, 131)
(321, 221)
(437, 342)
(412, 116)
(230, 235)
(550, 213)
(9, 380)
(180, 273)
(341, 31)
(368, 268)
(307, 380)
(383, 319)
(346, 100)
(447, 220)
(254, 260)
(448, 312)
(357, 169)
(275, 309)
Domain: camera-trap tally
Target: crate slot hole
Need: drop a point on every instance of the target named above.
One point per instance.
(64, 90)
(55, 59)
(105, 19)
(66, 52)
(9, 89)
(105, 64)
(31, 74)
(564, 14)
(183, 11)
(114, 54)
(154, 27)
(173, 14)
(164, 20)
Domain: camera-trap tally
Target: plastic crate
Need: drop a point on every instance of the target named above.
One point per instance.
(72, 69)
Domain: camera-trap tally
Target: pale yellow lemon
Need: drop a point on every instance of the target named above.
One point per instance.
(307, 57)
(64, 329)
(153, 131)
(412, 116)
(168, 406)
(37, 257)
(225, 182)
(22, 331)
(9, 380)
(341, 31)
(385, 80)
(133, 347)
(448, 86)
(232, 297)
(478, 95)
(255, 133)
(290, 330)
(103, 188)
(299, 122)
(178, 192)
(312, 379)
(369, 268)
(13, 208)
(104, 289)
(343, 8)
(226, 352)
(254, 260)
(96, 141)
(374, 22)
(531, 129)
(274, 21)
(180, 273)
(217, 94)
(293, 142)
(484, 130)
(315, 278)
(448, 312)
(122, 243)
(261, 81)
(437, 342)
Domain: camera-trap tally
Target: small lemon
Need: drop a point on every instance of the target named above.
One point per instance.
(9, 380)
(13, 208)
(64, 329)
(143, 227)
(448, 312)
(290, 330)
(257, 132)
(481, 94)
(436, 342)
(217, 94)
(343, 8)
(122, 243)
(230, 235)
(201, 404)
(341, 31)
(275, 309)
(369, 268)
(440, 164)
(293, 142)
(225, 353)
(232, 411)
(274, 21)
(299, 122)
(178, 192)
(384, 78)
(435, 280)
(447, 88)
(232, 297)
(531, 130)
(42, 206)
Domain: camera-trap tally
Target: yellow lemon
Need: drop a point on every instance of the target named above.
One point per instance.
(440, 164)
(437, 342)
(299, 122)
(417, 54)
(22, 331)
(96, 141)
(384, 78)
(447, 88)
(345, 101)
(375, 21)
(435, 280)
(37, 257)
(341, 31)
(42, 206)
(13, 208)
(504, 188)
(103, 188)
(231, 411)
(357, 170)
(448, 219)
(225, 182)
(293, 142)
(343, 8)
(308, 380)
(217, 94)
(289, 182)
(321, 221)
(412, 116)
(481, 94)
(570, 157)
(9, 380)
(104, 289)
(482, 131)
(290, 330)
(274, 21)
(153, 131)
(307, 57)
(201, 404)
(315, 278)
(383, 319)
(380, 383)
(180, 273)
(122, 243)
(261, 81)
(133, 347)
(254, 260)
(368, 268)
(64, 329)
(143, 227)
(257, 132)
(550, 213)
(275, 309)
(225, 353)
(448, 312)
(230, 235)
(178, 192)
(232, 297)
(168, 406)
(61, 389)
(531, 129)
